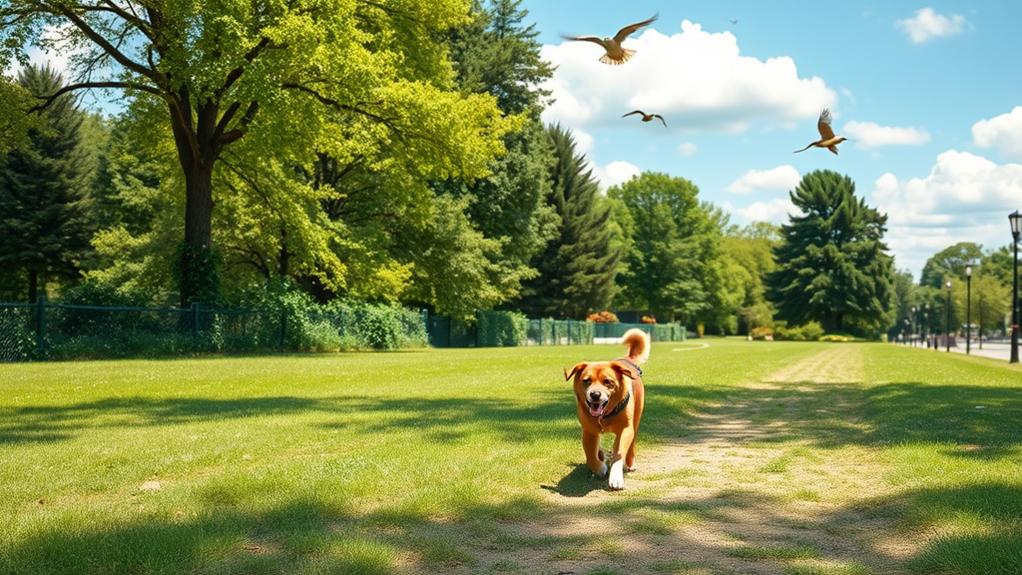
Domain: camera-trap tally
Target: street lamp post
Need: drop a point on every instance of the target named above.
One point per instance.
(947, 320)
(913, 316)
(968, 308)
(1015, 219)
(926, 324)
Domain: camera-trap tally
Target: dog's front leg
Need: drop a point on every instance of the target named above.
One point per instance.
(617, 468)
(591, 445)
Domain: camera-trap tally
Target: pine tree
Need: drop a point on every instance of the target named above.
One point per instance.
(577, 269)
(832, 264)
(45, 222)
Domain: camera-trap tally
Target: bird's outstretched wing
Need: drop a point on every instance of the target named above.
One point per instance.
(733, 21)
(805, 148)
(640, 112)
(593, 39)
(661, 119)
(824, 125)
(628, 30)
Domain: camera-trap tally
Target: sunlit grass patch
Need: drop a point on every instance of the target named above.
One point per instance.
(774, 552)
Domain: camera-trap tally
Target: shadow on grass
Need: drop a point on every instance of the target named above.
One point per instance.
(753, 533)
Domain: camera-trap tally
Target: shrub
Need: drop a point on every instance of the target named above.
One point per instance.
(762, 333)
(604, 316)
(838, 338)
(808, 332)
(501, 328)
(648, 319)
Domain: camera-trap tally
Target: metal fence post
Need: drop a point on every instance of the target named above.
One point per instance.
(40, 325)
(195, 320)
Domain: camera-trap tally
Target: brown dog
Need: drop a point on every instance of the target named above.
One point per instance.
(610, 398)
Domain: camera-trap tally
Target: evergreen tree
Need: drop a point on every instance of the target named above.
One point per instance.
(44, 203)
(832, 264)
(495, 53)
(578, 267)
(669, 270)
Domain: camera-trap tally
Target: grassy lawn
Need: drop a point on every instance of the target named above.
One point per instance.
(790, 458)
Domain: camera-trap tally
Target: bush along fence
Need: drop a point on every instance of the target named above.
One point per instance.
(46, 330)
(507, 328)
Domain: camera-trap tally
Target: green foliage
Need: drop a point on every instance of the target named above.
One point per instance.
(669, 269)
(832, 264)
(501, 328)
(577, 268)
(46, 223)
(15, 121)
(761, 333)
(950, 263)
(838, 338)
(811, 331)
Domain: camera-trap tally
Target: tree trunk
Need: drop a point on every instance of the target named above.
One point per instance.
(197, 153)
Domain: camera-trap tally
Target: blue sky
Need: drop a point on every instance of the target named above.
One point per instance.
(927, 92)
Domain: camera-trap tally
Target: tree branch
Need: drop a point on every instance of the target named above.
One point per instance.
(107, 47)
(345, 107)
(236, 73)
(47, 100)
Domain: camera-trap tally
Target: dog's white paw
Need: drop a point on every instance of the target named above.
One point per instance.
(603, 470)
(617, 475)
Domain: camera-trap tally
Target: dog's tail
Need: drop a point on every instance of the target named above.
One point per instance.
(638, 345)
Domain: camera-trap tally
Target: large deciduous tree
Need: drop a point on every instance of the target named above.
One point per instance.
(45, 220)
(950, 263)
(347, 77)
(578, 266)
(832, 264)
(673, 246)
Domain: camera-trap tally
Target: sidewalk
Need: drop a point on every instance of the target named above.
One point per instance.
(993, 350)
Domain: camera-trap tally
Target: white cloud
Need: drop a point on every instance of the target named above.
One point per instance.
(868, 135)
(1003, 132)
(927, 25)
(583, 141)
(614, 173)
(784, 177)
(697, 80)
(965, 197)
(687, 149)
(775, 211)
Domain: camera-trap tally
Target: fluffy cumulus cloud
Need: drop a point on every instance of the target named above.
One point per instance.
(776, 211)
(697, 80)
(868, 135)
(927, 25)
(784, 177)
(965, 197)
(614, 173)
(1002, 132)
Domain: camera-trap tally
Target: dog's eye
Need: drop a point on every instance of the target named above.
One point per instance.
(608, 382)
(587, 381)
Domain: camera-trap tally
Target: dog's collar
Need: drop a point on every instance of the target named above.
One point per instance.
(632, 364)
(617, 409)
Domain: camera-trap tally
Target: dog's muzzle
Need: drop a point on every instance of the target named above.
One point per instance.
(596, 403)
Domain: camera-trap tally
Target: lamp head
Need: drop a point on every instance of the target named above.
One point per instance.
(968, 271)
(947, 284)
(1015, 219)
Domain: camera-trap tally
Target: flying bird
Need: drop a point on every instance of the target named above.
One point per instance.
(646, 117)
(733, 21)
(827, 138)
(616, 54)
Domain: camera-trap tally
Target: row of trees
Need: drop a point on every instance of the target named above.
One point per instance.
(385, 151)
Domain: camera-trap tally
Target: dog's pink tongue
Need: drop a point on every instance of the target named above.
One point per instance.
(596, 411)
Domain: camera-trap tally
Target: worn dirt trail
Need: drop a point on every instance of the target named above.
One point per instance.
(773, 477)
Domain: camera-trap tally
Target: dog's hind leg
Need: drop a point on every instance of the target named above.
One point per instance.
(594, 455)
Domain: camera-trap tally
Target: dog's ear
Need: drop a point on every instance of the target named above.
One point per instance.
(622, 370)
(578, 367)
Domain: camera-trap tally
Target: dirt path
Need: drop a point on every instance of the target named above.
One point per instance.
(770, 479)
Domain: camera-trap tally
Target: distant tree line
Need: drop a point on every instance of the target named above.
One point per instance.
(413, 170)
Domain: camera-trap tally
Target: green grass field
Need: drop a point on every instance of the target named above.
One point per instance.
(791, 458)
